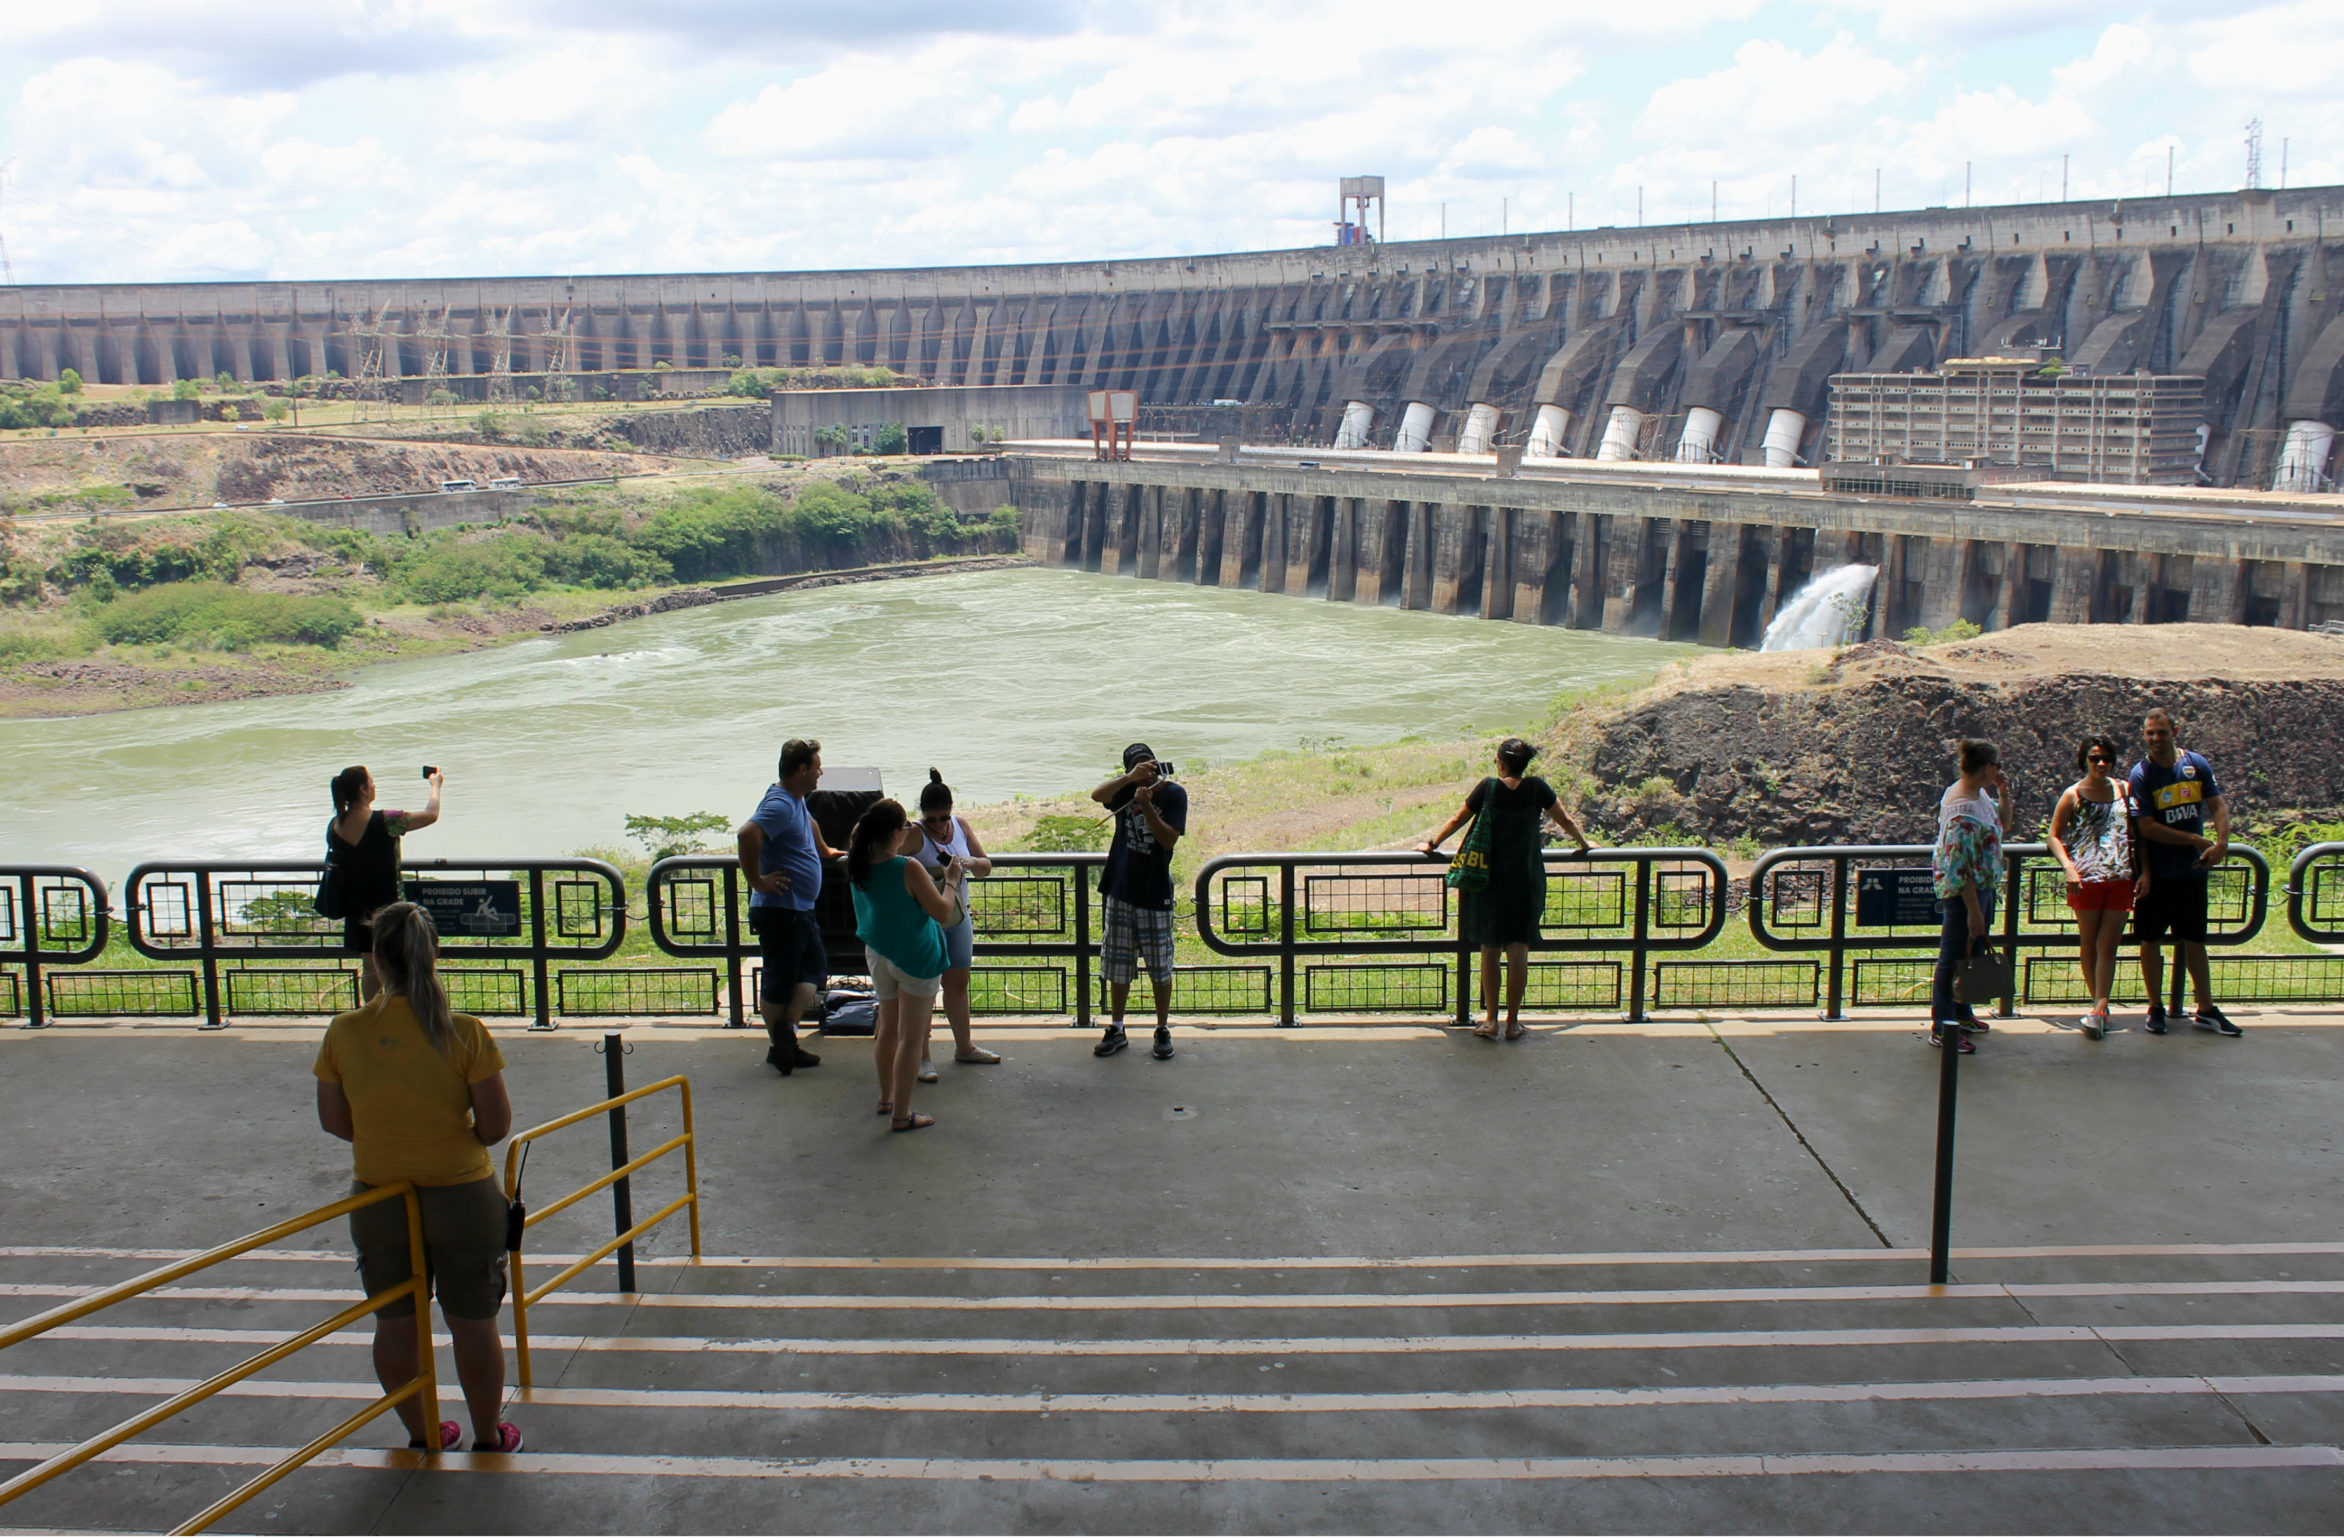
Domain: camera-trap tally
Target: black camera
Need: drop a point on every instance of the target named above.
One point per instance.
(429, 770)
(1164, 767)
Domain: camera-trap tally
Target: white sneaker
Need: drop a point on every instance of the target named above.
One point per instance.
(976, 1055)
(927, 1071)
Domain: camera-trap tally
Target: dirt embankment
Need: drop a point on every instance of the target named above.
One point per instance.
(1816, 747)
(128, 473)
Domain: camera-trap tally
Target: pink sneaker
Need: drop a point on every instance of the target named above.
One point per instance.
(451, 1437)
(508, 1440)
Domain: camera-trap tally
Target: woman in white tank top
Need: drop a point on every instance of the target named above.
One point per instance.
(945, 836)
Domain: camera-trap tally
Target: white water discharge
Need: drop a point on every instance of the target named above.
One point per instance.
(1823, 612)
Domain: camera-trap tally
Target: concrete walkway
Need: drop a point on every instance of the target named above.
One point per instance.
(1653, 1277)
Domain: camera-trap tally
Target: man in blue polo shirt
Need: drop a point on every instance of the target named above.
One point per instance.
(781, 852)
(2172, 792)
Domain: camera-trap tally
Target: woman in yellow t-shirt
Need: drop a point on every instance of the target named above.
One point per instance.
(418, 1091)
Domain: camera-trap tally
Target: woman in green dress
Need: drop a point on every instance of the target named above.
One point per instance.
(1503, 914)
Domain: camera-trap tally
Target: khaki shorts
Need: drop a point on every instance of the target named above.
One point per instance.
(463, 1248)
(888, 979)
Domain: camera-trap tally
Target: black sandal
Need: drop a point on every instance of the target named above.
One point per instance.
(912, 1123)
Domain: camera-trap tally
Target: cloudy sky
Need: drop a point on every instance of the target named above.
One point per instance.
(382, 138)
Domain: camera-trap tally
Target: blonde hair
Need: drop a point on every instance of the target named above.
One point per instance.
(406, 949)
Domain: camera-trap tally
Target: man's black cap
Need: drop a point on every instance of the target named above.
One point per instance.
(1138, 753)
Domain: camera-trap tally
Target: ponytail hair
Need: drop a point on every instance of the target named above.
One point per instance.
(935, 796)
(880, 823)
(347, 786)
(406, 949)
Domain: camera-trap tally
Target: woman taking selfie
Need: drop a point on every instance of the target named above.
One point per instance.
(362, 848)
(899, 917)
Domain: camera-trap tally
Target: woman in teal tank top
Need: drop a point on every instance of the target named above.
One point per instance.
(899, 914)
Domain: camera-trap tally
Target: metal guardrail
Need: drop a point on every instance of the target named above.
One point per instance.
(252, 915)
(1033, 909)
(423, 1385)
(1296, 906)
(50, 915)
(623, 1168)
(1859, 903)
(2315, 894)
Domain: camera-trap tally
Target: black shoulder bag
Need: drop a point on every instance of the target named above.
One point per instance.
(329, 901)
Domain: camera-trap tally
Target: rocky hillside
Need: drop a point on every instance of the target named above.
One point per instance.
(1855, 746)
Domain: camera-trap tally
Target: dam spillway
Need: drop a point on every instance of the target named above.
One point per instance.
(1702, 342)
(1705, 554)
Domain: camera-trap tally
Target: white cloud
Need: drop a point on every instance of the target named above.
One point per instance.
(320, 138)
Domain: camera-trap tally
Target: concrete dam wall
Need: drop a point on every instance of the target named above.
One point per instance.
(1706, 342)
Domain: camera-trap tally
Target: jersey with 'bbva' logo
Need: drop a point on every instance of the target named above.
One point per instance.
(2177, 798)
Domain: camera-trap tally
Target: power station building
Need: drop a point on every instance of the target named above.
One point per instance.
(1702, 343)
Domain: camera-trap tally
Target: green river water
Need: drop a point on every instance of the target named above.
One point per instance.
(1024, 681)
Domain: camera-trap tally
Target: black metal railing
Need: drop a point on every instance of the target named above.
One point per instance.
(1363, 912)
(2315, 894)
(1035, 925)
(240, 925)
(1868, 909)
(50, 916)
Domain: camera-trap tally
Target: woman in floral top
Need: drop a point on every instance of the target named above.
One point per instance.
(1967, 864)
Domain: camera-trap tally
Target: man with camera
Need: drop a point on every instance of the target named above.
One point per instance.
(1150, 815)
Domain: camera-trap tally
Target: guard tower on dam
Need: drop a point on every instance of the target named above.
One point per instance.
(1700, 343)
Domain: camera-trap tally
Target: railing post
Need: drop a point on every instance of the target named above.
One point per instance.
(1941, 1206)
(205, 940)
(1636, 940)
(622, 1202)
(1082, 946)
(427, 1360)
(537, 949)
(1835, 994)
(25, 915)
(732, 948)
(2006, 1007)
(1285, 942)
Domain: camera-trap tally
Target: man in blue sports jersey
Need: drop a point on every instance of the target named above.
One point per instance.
(2172, 792)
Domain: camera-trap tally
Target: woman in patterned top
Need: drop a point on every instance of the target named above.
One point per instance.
(1967, 863)
(2092, 836)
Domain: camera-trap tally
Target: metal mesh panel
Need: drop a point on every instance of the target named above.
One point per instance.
(1372, 988)
(1795, 898)
(65, 915)
(99, 994)
(289, 990)
(1593, 899)
(8, 914)
(2043, 898)
(1214, 990)
(1572, 985)
(1018, 905)
(2229, 894)
(577, 909)
(270, 908)
(2236, 979)
(2324, 892)
(635, 991)
(1891, 980)
(1395, 905)
(170, 910)
(1735, 984)
(1680, 899)
(1038, 990)
(692, 907)
(486, 991)
(1246, 908)
(11, 995)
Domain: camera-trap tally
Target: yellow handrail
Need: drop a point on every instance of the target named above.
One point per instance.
(424, 1384)
(523, 1294)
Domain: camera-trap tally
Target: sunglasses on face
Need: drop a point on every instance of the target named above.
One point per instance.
(2099, 758)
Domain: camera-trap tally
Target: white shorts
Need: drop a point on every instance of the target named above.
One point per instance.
(888, 979)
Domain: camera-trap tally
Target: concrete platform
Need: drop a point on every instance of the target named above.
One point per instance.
(1660, 1277)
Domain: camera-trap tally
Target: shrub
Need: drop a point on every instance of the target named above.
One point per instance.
(598, 560)
(186, 390)
(668, 836)
(452, 570)
(1959, 630)
(891, 439)
(40, 406)
(491, 424)
(1059, 834)
(217, 616)
(69, 381)
(276, 409)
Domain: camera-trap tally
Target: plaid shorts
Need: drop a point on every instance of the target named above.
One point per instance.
(1135, 935)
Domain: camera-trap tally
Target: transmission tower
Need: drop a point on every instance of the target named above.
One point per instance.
(500, 355)
(2254, 152)
(366, 336)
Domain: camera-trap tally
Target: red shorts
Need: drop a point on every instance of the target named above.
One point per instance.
(2100, 896)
